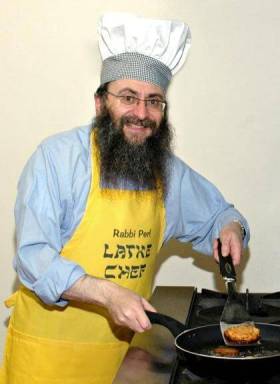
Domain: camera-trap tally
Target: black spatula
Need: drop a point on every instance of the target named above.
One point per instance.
(234, 312)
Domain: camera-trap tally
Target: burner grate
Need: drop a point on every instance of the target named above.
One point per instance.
(208, 307)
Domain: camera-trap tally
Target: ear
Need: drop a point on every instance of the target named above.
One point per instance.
(98, 104)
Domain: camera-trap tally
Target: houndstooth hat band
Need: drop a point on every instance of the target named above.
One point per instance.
(133, 65)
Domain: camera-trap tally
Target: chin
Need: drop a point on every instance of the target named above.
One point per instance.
(136, 138)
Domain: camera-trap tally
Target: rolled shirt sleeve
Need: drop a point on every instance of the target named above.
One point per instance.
(40, 211)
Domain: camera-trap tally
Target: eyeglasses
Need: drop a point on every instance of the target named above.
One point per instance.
(152, 104)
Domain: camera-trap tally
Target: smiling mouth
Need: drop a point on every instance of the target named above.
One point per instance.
(134, 130)
(138, 123)
(136, 134)
(135, 127)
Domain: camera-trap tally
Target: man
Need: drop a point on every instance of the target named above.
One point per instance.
(95, 206)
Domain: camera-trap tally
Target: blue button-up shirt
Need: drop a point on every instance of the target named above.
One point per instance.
(51, 200)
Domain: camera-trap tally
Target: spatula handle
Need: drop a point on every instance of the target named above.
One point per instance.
(226, 265)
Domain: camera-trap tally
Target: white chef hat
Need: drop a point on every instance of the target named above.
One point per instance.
(134, 47)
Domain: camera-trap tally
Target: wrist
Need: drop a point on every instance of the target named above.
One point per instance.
(88, 289)
(242, 228)
(100, 290)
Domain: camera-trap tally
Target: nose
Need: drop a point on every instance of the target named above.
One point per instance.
(140, 109)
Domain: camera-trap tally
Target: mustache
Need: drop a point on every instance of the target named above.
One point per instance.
(130, 119)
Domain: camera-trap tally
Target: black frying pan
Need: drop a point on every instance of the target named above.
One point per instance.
(196, 347)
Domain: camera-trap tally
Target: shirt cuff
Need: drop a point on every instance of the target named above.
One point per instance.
(60, 276)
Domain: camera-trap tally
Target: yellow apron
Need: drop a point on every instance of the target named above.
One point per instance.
(118, 239)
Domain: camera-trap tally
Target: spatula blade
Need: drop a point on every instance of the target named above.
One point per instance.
(225, 326)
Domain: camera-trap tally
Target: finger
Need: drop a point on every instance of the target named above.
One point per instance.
(142, 322)
(235, 251)
(148, 306)
(135, 317)
(225, 246)
(138, 326)
(215, 250)
(133, 322)
(142, 318)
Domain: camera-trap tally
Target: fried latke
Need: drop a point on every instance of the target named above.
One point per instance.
(243, 334)
(226, 351)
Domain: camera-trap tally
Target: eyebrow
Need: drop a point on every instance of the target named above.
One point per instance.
(150, 95)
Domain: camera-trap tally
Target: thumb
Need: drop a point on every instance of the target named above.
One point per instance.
(147, 306)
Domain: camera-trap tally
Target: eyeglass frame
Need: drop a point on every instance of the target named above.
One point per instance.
(136, 99)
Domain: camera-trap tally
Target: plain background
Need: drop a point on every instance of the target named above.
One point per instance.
(224, 105)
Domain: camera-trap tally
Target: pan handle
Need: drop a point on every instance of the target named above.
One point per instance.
(174, 326)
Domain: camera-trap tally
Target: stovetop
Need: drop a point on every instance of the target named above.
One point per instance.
(206, 308)
(151, 358)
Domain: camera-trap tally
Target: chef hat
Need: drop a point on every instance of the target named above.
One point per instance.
(134, 47)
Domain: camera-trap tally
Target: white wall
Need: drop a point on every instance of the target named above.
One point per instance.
(224, 106)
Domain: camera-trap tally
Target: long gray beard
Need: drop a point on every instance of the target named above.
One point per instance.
(144, 165)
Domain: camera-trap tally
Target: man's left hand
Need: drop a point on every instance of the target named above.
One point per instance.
(232, 243)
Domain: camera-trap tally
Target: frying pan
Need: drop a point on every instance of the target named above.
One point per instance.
(196, 348)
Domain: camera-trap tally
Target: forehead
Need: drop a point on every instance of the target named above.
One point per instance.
(137, 86)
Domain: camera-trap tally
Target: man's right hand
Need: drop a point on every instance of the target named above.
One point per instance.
(125, 307)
